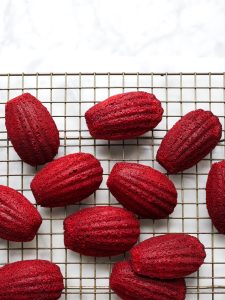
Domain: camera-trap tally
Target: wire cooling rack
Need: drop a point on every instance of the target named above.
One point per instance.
(68, 96)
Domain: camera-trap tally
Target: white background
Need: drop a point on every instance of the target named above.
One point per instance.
(106, 35)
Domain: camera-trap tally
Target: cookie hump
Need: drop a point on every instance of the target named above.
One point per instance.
(31, 130)
(124, 116)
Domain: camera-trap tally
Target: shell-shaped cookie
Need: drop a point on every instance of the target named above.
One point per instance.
(67, 180)
(19, 219)
(129, 286)
(173, 255)
(143, 190)
(193, 137)
(31, 279)
(215, 195)
(101, 231)
(124, 116)
(31, 129)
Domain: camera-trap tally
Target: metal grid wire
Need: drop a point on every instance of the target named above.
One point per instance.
(68, 96)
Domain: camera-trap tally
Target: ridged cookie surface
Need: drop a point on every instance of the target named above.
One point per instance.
(124, 116)
(19, 219)
(31, 280)
(31, 129)
(215, 195)
(143, 190)
(129, 286)
(193, 137)
(101, 231)
(173, 255)
(67, 180)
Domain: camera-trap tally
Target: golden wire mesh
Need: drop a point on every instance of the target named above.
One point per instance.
(68, 96)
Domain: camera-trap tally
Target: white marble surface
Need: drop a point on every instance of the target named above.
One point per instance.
(118, 35)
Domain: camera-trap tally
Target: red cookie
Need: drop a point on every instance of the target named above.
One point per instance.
(31, 279)
(168, 256)
(129, 286)
(19, 219)
(31, 129)
(193, 137)
(215, 195)
(143, 190)
(67, 180)
(124, 116)
(101, 231)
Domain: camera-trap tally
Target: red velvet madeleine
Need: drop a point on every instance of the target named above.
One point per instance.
(31, 129)
(101, 231)
(143, 190)
(129, 286)
(67, 180)
(19, 219)
(124, 116)
(168, 256)
(31, 279)
(215, 195)
(189, 140)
